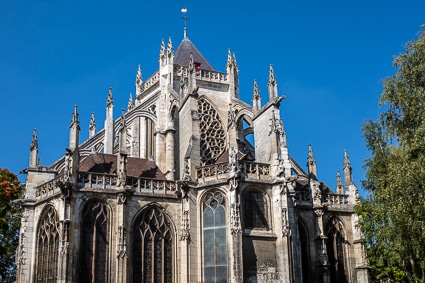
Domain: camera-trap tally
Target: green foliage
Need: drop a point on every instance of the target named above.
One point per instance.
(393, 213)
(10, 190)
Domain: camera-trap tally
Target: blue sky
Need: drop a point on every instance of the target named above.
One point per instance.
(329, 59)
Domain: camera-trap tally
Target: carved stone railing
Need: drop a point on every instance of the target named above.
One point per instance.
(140, 185)
(247, 168)
(150, 82)
(303, 196)
(338, 199)
(203, 75)
(153, 186)
(49, 187)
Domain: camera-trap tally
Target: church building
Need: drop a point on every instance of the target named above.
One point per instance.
(190, 184)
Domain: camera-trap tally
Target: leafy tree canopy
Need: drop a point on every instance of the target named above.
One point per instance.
(10, 190)
(393, 213)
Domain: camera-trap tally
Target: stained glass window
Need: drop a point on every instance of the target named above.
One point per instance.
(214, 239)
(152, 247)
(336, 254)
(94, 249)
(47, 246)
(255, 210)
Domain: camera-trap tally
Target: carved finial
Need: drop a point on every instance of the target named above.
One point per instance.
(272, 84)
(311, 163)
(34, 142)
(92, 125)
(184, 11)
(110, 100)
(130, 104)
(339, 187)
(139, 76)
(74, 121)
(170, 47)
(229, 57)
(162, 50)
(348, 178)
(34, 149)
(255, 92)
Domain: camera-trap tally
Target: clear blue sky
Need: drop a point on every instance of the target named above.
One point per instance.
(329, 59)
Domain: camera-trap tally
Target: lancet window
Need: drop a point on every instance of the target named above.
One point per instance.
(255, 209)
(336, 250)
(214, 238)
(305, 251)
(152, 247)
(94, 249)
(212, 135)
(47, 246)
(150, 139)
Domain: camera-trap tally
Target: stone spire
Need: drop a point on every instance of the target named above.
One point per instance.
(34, 150)
(256, 98)
(139, 81)
(339, 188)
(162, 52)
(311, 163)
(184, 11)
(130, 104)
(74, 134)
(232, 71)
(348, 178)
(92, 126)
(272, 84)
(122, 154)
(170, 48)
(109, 125)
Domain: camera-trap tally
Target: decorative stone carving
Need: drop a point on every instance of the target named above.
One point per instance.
(231, 119)
(286, 231)
(121, 244)
(319, 212)
(235, 221)
(185, 232)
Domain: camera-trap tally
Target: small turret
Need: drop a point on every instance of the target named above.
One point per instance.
(272, 85)
(74, 134)
(232, 71)
(109, 125)
(130, 104)
(256, 98)
(139, 81)
(34, 150)
(348, 178)
(339, 188)
(92, 126)
(311, 163)
(72, 156)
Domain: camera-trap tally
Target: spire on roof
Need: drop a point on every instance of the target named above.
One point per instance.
(92, 125)
(339, 187)
(130, 104)
(110, 100)
(256, 98)
(34, 149)
(169, 47)
(311, 163)
(348, 178)
(74, 130)
(139, 81)
(162, 50)
(184, 11)
(272, 84)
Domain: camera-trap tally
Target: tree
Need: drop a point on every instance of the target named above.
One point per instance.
(10, 190)
(393, 213)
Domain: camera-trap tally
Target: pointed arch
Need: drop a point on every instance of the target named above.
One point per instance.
(305, 250)
(214, 237)
(337, 250)
(153, 246)
(94, 243)
(47, 245)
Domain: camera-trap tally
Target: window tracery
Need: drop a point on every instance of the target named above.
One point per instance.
(94, 253)
(212, 134)
(214, 238)
(336, 250)
(255, 210)
(47, 246)
(152, 247)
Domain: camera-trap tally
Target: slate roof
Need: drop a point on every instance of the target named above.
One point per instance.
(107, 164)
(181, 57)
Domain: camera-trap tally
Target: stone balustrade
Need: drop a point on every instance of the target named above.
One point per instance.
(49, 188)
(247, 168)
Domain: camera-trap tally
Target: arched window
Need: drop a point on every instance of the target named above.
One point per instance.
(255, 210)
(214, 238)
(94, 248)
(47, 246)
(336, 250)
(150, 139)
(305, 251)
(152, 247)
(212, 134)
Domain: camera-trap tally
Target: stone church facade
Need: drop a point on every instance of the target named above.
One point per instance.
(175, 190)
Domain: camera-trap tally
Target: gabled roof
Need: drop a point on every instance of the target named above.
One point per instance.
(182, 55)
(107, 164)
